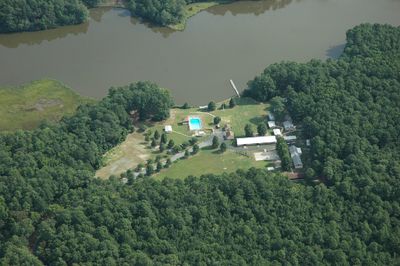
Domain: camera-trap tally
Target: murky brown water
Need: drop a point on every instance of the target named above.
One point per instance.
(235, 41)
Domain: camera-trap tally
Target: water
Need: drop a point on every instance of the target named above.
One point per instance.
(194, 123)
(235, 41)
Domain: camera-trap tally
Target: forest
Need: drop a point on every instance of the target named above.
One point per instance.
(53, 212)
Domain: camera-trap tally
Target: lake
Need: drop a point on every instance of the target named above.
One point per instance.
(234, 41)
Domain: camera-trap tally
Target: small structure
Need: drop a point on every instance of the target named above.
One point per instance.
(234, 87)
(271, 117)
(271, 124)
(266, 156)
(270, 168)
(255, 140)
(226, 127)
(295, 154)
(308, 142)
(203, 107)
(290, 139)
(288, 125)
(168, 129)
(195, 123)
(277, 132)
(229, 134)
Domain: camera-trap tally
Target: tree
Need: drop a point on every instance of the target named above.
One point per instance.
(222, 147)
(153, 143)
(232, 103)
(164, 138)
(211, 106)
(162, 147)
(185, 106)
(149, 169)
(248, 130)
(195, 149)
(278, 107)
(171, 144)
(187, 154)
(168, 163)
(261, 129)
(215, 142)
(283, 152)
(156, 135)
(159, 166)
(217, 119)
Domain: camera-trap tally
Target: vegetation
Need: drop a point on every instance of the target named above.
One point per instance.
(211, 106)
(27, 106)
(217, 119)
(261, 129)
(248, 130)
(222, 147)
(53, 212)
(215, 142)
(33, 15)
(283, 152)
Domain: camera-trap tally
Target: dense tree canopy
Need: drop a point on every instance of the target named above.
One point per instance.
(32, 15)
(53, 212)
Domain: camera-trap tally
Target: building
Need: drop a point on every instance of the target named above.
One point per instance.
(288, 125)
(277, 132)
(295, 153)
(255, 140)
(271, 117)
(271, 124)
(229, 134)
(290, 139)
(308, 142)
(168, 129)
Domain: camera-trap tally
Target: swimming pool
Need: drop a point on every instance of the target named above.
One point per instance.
(194, 123)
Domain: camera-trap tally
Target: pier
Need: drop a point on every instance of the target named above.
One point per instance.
(234, 87)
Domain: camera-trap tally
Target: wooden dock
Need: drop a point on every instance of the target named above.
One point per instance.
(234, 87)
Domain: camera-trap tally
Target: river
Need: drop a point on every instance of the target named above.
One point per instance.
(234, 41)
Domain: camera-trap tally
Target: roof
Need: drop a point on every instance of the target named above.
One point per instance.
(297, 160)
(168, 128)
(256, 140)
(277, 132)
(295, 154)
(271, 124)
(288, 125)
(289, 138)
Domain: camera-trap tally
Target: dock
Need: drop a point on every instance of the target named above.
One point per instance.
(234, 87)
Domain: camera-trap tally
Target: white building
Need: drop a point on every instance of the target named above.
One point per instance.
(289, 138)
(277, 132)
(168, 128)
(256, 140)
(271, 124)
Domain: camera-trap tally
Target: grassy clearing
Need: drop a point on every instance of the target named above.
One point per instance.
(247, 111)
(26, 106)
(209, 162)
(193, 9)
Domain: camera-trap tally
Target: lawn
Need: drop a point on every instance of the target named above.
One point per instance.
(247, 111)
(209, 161)
(26, 106)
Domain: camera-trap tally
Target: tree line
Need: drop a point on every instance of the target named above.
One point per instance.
(53, 212)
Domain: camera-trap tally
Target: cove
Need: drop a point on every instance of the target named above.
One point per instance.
(234, 41)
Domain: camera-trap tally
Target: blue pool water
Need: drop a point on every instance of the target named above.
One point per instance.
(194, 123)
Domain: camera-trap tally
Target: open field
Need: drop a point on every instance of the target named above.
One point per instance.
(26, 106)
(125, 156)
(210, 162)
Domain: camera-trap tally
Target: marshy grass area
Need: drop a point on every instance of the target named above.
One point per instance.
(25, 107)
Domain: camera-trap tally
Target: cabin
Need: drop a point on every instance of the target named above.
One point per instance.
(295, 153)
(256, 140)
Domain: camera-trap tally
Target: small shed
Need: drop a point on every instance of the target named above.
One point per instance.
(277, 132)
(168, 128)
(271, 117)
(229, 134)
(271, 124)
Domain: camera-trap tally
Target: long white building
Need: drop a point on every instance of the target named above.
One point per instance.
(256, 140)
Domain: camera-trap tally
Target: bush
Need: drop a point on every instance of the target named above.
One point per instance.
(215, 142)
(222, 147)
(248, 130)
(217, 119)
(211, 106)
(232, 103)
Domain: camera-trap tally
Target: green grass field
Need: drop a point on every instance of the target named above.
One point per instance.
(209, 162)
(26, 106)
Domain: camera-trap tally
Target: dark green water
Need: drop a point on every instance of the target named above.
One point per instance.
(235, 41)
